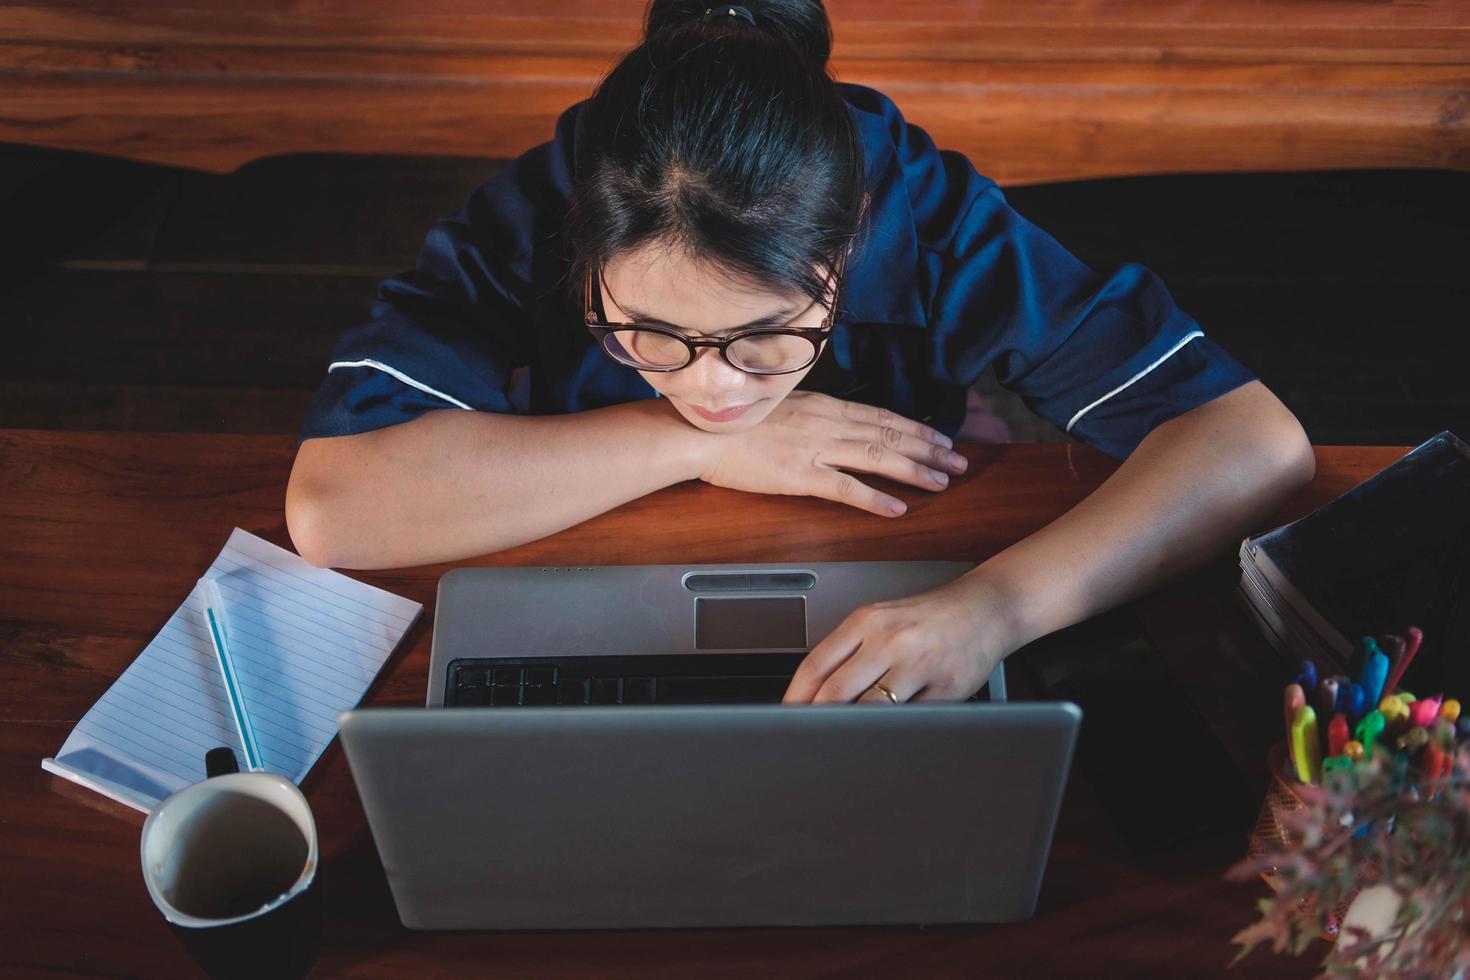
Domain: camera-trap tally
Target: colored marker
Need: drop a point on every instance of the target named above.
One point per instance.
(1353, 750)
(1293, 699)
(1412, 741)
(1306, 750)
(1337, 735)
(1395, 714)
(1444, 737)
(1308, 676)
(1435, 765)
(1369, 730)
(1367, 646)
(1326, 697)
(1354, 701)
(1334, 764)
(1426, 711)
(1416, 638)
(1450, 711)
(1374, 676)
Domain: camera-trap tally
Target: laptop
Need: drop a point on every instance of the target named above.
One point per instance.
(678, 793)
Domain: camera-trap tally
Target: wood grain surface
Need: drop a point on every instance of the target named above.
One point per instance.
(1030, 91)
(103, 534)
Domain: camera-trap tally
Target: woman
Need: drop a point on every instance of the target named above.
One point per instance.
(716, 217)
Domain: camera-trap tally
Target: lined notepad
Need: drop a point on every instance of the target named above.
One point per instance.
(306, 642)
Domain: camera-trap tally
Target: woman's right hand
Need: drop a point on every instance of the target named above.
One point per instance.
(810, 441)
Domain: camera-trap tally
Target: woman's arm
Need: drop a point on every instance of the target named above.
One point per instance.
(1190, 491)
(452, 484)
(1187, 493)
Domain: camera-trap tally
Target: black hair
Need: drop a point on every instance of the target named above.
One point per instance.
(727, 139)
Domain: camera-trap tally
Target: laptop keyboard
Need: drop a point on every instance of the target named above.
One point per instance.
(703, 678)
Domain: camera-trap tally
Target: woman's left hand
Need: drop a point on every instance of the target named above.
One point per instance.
(939, 645)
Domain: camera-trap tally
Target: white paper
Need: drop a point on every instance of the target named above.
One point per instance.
(306, 642)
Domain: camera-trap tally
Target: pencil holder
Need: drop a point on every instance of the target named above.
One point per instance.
(1271, 834)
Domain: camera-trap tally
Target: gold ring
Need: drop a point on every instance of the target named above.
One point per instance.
(882, 689)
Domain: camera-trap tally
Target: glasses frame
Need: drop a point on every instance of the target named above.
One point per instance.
(602, 329)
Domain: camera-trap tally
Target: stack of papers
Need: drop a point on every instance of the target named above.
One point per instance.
(307, 643)
(1393, 552)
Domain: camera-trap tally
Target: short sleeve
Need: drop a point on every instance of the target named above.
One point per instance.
(1105, 358)
(445, 335)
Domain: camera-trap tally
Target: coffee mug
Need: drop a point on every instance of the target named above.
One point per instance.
(231, 863)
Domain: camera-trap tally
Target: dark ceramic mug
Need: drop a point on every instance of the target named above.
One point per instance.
(231, 863)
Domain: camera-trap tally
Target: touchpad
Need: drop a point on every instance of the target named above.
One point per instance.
(750, 624)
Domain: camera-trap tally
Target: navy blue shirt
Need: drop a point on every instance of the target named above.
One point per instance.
(948, 280)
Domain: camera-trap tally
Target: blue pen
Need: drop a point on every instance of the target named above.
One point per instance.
(1373, 679)
(1353, 701)
(214, 607)
(1308, 677)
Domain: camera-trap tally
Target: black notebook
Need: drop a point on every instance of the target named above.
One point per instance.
(1392, 552)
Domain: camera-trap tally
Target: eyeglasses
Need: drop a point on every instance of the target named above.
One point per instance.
(759, 350)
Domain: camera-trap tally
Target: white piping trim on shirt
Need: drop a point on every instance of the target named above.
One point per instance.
(1170, 353)
(386, 369)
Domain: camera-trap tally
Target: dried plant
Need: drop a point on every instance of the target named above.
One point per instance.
(1372, 825)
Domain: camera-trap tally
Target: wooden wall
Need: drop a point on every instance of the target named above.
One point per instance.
(1032, 90)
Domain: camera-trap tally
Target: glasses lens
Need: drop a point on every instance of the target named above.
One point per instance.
(644, 348)
(772, 353)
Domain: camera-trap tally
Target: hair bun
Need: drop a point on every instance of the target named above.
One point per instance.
(729, 11)
(801, 23)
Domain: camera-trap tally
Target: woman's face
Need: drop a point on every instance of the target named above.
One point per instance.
(668, 285)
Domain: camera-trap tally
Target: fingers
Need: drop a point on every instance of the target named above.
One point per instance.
(823, 659)
(873, 457)
(844, 488)
(904, 688)
(934, 455)
(881, 643)
(853, 680)
(840, 669)
(883, 418)
(870, 440)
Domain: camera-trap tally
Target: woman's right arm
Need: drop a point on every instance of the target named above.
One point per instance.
(452, 484)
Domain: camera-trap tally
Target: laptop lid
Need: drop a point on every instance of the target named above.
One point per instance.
(677, 816)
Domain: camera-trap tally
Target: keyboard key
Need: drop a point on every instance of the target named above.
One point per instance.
(505, 675)
(607, 690)
(722, 690)
(572, 690)
(469, 677)
(538, 695)
(504, 694)
(638, 690)
(540, 676)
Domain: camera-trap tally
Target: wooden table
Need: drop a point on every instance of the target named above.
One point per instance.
(103, 534)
